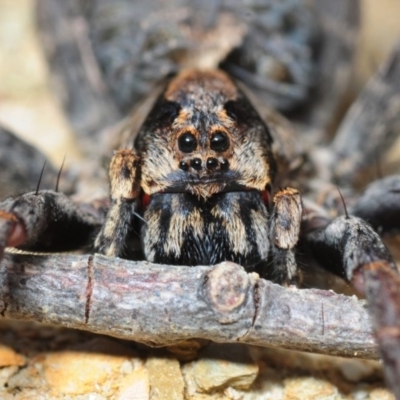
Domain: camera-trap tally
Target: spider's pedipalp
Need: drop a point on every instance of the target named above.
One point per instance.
(119, 222)
(284, 233)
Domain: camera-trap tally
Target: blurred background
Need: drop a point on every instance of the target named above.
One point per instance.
(28, 107)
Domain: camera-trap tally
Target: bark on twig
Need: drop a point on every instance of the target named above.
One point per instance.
(161, 305)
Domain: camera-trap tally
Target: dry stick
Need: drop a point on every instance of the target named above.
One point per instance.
(161, 305)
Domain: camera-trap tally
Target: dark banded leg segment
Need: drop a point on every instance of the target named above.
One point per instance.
(120, 220)
(349, 247)
(46, 221)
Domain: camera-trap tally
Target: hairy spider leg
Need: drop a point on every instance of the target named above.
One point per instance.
(285, 222)
(46, 221)
(350, 247)
(113, 236)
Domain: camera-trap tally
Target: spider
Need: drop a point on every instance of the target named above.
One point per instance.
(212, 174)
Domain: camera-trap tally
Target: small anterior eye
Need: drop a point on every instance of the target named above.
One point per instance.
(187, 143)
(219, 141)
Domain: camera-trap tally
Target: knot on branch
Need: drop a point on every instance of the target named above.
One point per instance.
(226, 288)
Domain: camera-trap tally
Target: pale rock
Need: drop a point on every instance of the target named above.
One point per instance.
(190, 384)
(309, 388)
(134, 386)
(6, 373)
(9, 357)
(165, 377)
(221, 366)
(380, 394)
(267, 386)
(92, 367)
(87, 396)
(209, 396)
(126, 367)
(31, 394)
(29, 377)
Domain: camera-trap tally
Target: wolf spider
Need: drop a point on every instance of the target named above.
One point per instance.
(213, 174)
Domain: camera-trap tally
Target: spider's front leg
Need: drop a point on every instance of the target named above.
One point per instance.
(119, 224)
(285, 224)
(46, 221)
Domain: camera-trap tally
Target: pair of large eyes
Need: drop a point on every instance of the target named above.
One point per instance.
(219, 142)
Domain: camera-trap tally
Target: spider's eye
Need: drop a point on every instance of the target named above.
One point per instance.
(187, 142)
(219, 141)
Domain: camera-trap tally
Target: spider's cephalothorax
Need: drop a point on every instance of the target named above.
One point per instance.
(207, 201)
(204, 137)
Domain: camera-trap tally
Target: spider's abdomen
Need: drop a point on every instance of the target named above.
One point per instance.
(182, 229)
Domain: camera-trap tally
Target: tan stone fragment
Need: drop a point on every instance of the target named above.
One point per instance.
(210, 396)
(380, 394)
(221, 366)
(94, 367)
(134, 386)
(9, 358)
(166, 381)
(310, 389)
(29, 377)
(5, 374)
(269, 385)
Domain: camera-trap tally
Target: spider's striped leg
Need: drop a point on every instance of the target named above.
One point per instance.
(42, 220)
(120, 221)
(349, 247)
(284, 233)
(46, 221)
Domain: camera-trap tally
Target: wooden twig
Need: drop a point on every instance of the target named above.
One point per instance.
(161, 305)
